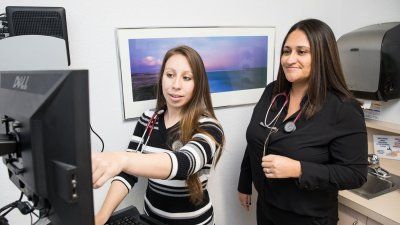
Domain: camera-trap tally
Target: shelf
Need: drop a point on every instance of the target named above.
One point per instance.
(384, 126)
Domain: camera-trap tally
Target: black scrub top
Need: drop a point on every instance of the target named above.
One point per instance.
(331, 147)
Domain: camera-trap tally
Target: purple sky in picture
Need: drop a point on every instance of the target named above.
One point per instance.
(227, 53)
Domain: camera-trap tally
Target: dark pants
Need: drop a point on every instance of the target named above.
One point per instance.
(270, 215)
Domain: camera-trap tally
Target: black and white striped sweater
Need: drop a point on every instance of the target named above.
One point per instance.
(169, 200)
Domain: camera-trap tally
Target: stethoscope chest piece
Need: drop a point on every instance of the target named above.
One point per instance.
(289, 127)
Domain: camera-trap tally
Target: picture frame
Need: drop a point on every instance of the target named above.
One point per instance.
(239, 62)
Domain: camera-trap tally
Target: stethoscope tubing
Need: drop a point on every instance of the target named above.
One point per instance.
(149, 129)
(272, 124)
(264, 124)
(278, 114)
(267, 139)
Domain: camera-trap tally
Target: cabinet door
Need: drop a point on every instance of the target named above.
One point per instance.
(372, 222)
(348, 216)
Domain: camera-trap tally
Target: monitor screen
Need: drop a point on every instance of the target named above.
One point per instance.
(47, 114)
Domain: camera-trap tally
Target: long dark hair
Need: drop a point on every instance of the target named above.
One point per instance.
(199, 105)
(326, 71)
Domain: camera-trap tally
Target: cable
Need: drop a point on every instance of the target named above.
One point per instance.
(102, 142)
(21, 196)
(12, 204)
(35, 214)
(9, 210)
(24, 207)
(38, 218)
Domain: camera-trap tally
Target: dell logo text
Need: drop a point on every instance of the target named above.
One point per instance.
(21, 82)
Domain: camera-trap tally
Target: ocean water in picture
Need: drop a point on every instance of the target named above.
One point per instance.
(222, 81)
(144, 86)
(232, 62)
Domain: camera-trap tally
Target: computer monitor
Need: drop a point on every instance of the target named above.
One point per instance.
(45, 116)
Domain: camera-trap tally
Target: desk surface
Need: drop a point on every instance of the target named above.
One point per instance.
(385, 208)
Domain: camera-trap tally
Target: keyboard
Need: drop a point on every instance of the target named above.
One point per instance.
(127, 216)
(131, 216)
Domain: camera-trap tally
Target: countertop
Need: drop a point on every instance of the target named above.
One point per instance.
(384, 209)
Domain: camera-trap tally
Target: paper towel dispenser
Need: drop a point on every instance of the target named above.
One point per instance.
(370, 58)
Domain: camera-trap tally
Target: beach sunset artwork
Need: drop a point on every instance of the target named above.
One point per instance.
(238, 60)
(232, 63)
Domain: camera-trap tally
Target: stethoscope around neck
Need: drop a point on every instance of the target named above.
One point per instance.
(289, 126)
(149, 129)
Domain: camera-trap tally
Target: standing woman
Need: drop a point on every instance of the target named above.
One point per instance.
(183, 139)
(307, 136)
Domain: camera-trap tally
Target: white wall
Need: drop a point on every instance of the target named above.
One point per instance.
(91, 26)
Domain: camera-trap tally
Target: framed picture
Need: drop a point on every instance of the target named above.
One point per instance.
(238, 61)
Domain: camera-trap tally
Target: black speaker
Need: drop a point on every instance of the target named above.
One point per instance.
(28, 20)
